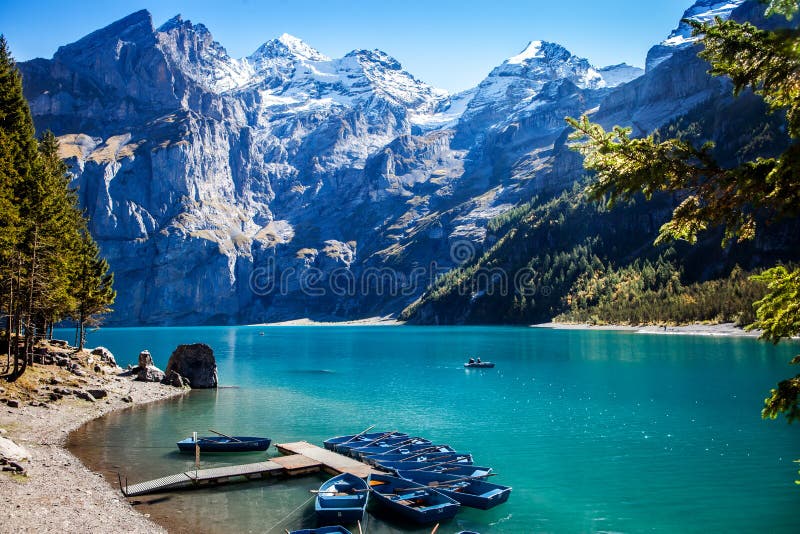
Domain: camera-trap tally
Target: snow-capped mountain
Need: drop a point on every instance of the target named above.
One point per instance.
(216, 185)
(681, 36)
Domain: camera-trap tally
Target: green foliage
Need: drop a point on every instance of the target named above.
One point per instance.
(49, 265)
(768, 63)
(646, 292)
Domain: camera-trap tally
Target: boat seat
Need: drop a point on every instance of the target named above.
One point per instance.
(433, 507)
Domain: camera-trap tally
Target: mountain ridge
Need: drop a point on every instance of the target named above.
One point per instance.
(218, 187)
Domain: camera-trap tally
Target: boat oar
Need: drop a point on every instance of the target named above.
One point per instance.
(358, 435)
(435, 529)
(382, 436)
(224, 435)
(359, 527)
(440, 464)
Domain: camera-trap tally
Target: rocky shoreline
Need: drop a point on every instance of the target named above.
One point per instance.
(38, 411)
(697, 329)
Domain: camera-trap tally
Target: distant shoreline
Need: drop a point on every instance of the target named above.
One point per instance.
(696, 329)
(368, 321)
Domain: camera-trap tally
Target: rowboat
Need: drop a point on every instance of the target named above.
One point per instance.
(225, 444)
(386, 446)
(322, 530)
(478, 365)
(360, 440)
(460, 469)
(469, 491)
(410, 500)
(422, 457)
(341, 499)
(408, 450)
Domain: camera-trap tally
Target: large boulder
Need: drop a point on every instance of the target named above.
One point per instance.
(196, 363)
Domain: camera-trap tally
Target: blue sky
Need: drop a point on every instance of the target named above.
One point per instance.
(452, 44)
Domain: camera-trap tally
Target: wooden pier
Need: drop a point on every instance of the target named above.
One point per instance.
(302, 458)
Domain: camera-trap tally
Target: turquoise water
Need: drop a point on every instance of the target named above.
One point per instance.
(595, 430)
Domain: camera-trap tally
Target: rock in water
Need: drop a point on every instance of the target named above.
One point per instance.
(196, 363)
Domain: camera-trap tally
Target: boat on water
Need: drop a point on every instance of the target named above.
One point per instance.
(225, 444)
(360, 440)
(383, 445)
(322, 530)
(454, 468)
(420, 458)
(341, 499)
(410, 500)
(478, 364)
(407, 447)
(468, 491)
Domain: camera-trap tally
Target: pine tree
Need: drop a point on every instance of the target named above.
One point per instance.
(92, 288)
(17, 157)
(768, 62)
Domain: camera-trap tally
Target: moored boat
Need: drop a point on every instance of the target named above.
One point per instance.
(383, 445)
(409, 446)
(360, 440)
(341, 499)
(410, 500)
(420, 460)
(464, 470)
(225, 444)
(468, 491)
(375, 452)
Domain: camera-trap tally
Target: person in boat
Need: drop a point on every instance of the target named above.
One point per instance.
(478, 360)
(472, 360)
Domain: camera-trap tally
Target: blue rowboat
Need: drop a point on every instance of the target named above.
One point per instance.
(341, 499)
(409, 450)
(464, 470)
(422, 458)
(383, 446)
(225, 444)
(409, 500)
(472, 492)
(360, 440)
(322, 530)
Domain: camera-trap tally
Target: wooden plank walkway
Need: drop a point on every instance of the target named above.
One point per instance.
(332, 462)
(301, 458)
(288, 465)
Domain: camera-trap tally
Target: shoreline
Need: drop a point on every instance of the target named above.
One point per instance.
(367, 321)
(695, 329)
(60, 493)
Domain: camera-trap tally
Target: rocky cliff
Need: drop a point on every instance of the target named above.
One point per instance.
(289, 184)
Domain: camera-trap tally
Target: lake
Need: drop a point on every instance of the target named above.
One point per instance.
(597, 431)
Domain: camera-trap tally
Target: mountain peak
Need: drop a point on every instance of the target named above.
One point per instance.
(538, 50)
(289, 46)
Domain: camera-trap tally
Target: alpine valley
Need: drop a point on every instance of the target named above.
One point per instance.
(289, 184)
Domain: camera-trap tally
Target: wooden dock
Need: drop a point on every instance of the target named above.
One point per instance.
(302, 458)
(332, 462)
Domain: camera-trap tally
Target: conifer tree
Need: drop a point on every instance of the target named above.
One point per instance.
(17, 157)
(92, 288)
(767, 62)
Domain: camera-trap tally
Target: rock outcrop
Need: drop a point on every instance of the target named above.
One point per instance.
(146, 371)
(195, 363)
(289, 184)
